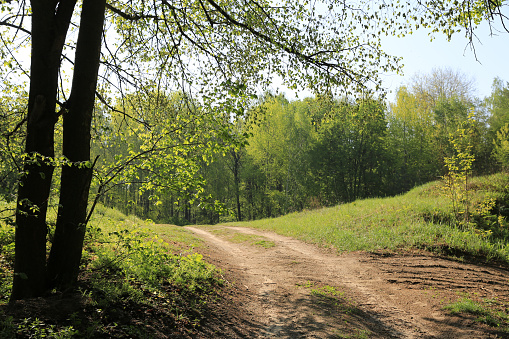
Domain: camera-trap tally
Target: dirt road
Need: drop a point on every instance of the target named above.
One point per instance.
(285, 288)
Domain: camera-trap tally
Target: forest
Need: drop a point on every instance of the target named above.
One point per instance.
(288, 156)
(161, 110)
(305, 154)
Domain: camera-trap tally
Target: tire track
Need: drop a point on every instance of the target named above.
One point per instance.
(384, 297)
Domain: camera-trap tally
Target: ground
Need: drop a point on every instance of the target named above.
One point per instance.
(284, 288)
(275, 286)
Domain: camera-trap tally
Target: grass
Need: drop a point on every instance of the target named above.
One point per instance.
(487, 311)
(135, 282)
(236, 237)
(144, 280)
(421, 218)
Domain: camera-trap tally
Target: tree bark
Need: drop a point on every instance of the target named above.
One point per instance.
(65, 255)
(50, 22)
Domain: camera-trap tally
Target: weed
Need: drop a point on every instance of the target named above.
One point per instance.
(6, 260)
(35, 328)
(7, 327)
(487, 311)
(265, 243)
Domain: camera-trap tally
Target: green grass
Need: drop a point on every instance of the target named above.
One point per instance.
(487, 311)
(238, 238)
(421, 218)
(138, 280)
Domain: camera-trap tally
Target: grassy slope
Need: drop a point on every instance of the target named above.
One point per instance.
(140, 279)
(421, 218)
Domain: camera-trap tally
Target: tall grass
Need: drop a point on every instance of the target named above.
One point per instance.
(421, 218)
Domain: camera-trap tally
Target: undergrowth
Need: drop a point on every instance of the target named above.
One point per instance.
(133, 284)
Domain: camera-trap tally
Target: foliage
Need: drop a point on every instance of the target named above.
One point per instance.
(12, 132)
(347, 160)
(411, 146)
(498, 105)
(278, 148)
(35, 328)
(459, 168)
(501, 147)
(139, 256)
(444, 17)
(127, 270)
(154, 162)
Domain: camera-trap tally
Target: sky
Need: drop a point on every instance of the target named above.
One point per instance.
(421, 56)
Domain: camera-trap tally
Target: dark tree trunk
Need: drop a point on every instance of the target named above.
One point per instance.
(50, 22)
(65, 256)
(236, 178)
(235, 169)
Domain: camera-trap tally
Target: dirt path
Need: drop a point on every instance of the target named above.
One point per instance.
(296, 290)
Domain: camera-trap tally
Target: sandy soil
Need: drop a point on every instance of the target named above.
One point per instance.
(297, 290)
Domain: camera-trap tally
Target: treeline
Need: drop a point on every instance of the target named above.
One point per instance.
(318, 152)
(161, 158)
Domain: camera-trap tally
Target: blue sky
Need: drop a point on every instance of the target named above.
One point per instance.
(421, 55)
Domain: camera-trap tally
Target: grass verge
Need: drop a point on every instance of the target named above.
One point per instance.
(236, 237)
(134, 283)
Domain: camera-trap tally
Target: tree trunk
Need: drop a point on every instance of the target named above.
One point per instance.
(236, 178)
(50, 22)
(65, 256)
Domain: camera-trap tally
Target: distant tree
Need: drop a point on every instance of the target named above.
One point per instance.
(501, 147)
(348, 157)
(498, 105)
(413, 156)
(234, 163)
(279, 148)
(443, 84)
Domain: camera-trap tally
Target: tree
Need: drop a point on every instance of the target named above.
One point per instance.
(234, 164)
(414, 158)
(501, 147)
(347, 160)
(201, 48)
(158, 154)
(443, 84)
(279, 149)
(446, 17)
(498, 105)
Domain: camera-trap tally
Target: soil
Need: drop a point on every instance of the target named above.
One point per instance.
(298, 290)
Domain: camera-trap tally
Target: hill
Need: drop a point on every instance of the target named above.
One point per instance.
(145, 280)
